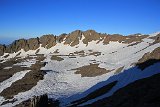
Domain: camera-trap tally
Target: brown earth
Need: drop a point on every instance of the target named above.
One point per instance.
(79, 52)
(56, 57)
(7, 73)
(27, 82)
(91, 70)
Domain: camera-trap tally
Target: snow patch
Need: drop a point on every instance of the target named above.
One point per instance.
(15, 77)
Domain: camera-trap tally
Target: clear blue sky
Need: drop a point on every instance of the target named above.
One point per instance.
(32, 18)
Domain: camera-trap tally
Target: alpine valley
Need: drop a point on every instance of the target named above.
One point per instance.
(82, 68)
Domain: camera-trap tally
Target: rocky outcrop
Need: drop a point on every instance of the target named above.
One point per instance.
(91, 35)
(149, 59)
(60, 38)
(48, 41)
(33, 43)
(30, 44)
(2, 49)
(141, 93)
(124, 39)
(156, 38)
(71, 39)
(114, 37)
(91, 70)
(39, 101)
(16, 46)
(28, 81)
(155, 54)
(134, 38)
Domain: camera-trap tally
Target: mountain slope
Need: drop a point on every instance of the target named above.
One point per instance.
(71, 66)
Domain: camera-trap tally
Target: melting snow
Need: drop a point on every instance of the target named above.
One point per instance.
(7, 83)
(61, 83)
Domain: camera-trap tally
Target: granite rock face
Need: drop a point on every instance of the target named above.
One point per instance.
(48, 41)
(149, 59)
(33, 43)
(124, 39)
(91, 35)
(71, 39)
(16, 46)
(61, 38)
(30, 44)
(156, 38)
(155, 54)
(39, 101)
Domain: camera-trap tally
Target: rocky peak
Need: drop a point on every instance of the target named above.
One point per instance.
(30, 44)
(73, 38)
(33, 44)
(91, 35)
(16, 46)
(114, 37)
(60, 38)
(48, 40)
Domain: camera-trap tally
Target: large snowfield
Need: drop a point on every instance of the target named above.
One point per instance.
(60, 81)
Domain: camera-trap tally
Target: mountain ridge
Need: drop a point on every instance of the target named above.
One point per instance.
(72, 39)
(76, 68)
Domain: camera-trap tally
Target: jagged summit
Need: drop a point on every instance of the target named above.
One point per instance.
(82, 68)
(71, 39)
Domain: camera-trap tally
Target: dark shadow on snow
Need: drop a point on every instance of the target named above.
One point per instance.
(117, 82)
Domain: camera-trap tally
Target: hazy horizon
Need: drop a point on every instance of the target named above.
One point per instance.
(34, 18)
